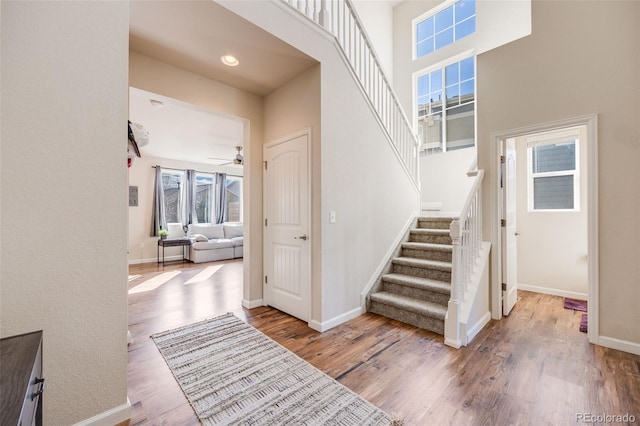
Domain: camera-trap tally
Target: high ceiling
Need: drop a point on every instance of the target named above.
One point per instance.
(193, 35)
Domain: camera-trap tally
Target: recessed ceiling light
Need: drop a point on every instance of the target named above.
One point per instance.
(230, 60)
(156, 103)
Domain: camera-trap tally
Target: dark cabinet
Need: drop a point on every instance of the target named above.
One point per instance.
(21, 381)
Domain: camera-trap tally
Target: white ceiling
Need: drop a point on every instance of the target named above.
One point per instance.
(182, 131)
(193, 35)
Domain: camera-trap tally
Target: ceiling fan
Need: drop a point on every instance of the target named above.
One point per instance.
(237, 160)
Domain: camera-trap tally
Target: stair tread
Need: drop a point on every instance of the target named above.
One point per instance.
(430, 231)
(436, 218)
(428, 246)
(422, 307)
(423, 263)
(418, 282)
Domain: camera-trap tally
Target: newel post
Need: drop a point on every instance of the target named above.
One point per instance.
(452, 320)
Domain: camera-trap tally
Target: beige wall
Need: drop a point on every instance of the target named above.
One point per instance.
(567, 69)
(552, 246)
(157, 77)
(64, 180)
(290, 109)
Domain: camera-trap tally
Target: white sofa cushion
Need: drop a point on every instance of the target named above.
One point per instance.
(199, 237)
(212, 244)
(232, 230)
(207, 229)
(237, 241)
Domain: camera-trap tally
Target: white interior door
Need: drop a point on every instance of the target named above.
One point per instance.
(287, 219)
(509, 240)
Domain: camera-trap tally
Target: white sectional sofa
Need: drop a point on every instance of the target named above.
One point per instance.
(211, 242)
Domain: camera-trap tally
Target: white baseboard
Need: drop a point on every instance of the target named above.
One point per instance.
(553, 291)
(111, 417)
(326, 325)
(155, 260)
(620, 345)
(250, 304)
(475, 328)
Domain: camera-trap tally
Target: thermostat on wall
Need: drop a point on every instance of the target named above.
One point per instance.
(133, 196)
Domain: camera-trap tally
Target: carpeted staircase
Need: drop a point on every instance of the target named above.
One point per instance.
(417, 287)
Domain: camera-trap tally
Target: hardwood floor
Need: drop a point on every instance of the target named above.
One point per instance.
(534, 367)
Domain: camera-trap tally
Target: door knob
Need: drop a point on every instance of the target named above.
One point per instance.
(301, 237)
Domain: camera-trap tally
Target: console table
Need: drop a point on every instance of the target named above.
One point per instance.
(21, 381)
(174, 242)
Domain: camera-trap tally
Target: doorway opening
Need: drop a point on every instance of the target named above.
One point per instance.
(545, 210)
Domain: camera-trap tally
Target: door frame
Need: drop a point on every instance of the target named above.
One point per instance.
(591, 124)
(303, 132)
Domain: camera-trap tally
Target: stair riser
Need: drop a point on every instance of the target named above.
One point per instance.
(432, 274)
(434, 224)
(438, 255)
(428, 238)
(417, 293)
(420, 321)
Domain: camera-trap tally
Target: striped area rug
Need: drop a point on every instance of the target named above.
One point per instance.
(233, 374)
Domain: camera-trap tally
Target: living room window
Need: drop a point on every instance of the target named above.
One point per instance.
(436, 30)
(172, 181)
(446, 106)
(553, 181)
(189, 197)
(205, 190)
(234, 199)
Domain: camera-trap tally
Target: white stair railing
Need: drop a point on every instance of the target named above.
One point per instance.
(466, 237)
(340, 19)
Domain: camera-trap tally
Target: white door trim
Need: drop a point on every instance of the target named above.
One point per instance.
(303, 132)
(591, 124)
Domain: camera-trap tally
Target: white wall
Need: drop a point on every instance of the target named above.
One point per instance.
(563, 70)
(366, 187)
(360, 179)
(377, 18)
(552, 246)
(444, 179)
(64, 195)
(158, 77)
(142, 247)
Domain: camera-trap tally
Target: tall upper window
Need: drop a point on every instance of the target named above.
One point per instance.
(553, 174)
(444, 27)
(446, 107)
